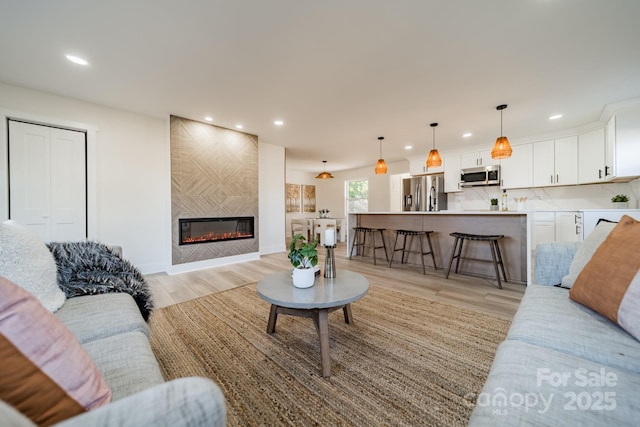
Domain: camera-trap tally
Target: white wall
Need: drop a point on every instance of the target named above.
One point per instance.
(330, 192)
(271, 179)
(131, 174)
(131, 171)
(303, 178)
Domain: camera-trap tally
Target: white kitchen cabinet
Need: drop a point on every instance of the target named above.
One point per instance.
(543, 228)
(477, 158)
(561, 226)
(623, 154)
(568, 226)
(609, 148)
(451, 173)
(517, 170)
(591, 156)
(555, 162)
(418, 166)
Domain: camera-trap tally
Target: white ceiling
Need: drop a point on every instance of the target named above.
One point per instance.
(339, 73)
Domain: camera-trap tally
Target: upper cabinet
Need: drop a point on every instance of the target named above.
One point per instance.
(623, 145)
(555, 162)
(418, 166)
(517, 170)
(451, 173)
(591, 157)
(477, 158)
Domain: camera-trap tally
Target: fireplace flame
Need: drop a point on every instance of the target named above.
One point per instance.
(211, 237)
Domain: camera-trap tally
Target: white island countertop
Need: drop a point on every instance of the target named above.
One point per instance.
(446, 212)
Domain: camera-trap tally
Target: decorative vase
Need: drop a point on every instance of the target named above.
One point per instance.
(620, 205)
(493, 207)
(303, 277)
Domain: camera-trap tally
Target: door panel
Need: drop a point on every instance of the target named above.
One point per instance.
(68, 195)
(47, 180)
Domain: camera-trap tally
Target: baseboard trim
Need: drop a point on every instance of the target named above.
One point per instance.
(216, 262)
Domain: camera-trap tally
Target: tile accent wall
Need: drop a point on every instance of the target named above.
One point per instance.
(214, 173)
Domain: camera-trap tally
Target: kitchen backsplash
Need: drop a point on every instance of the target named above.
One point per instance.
(594, 196)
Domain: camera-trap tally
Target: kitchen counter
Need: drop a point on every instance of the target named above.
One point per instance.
(512, 224)
(452, 212)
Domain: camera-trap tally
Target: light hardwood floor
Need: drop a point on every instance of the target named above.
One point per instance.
(480, 294)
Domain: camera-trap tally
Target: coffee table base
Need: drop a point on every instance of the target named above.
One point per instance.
(320, 318)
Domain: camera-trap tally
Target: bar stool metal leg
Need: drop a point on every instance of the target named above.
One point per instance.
(433, 257)
(453, 255)
(424, 271)
(504, 273)
(495, 263)
(393, 251)
(354, 242)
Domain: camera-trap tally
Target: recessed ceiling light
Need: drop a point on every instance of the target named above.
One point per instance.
(239, 126)
(555, 117)
(209, 118)
(467, 135)
(77, 60)
(278, 122)
(408, 147)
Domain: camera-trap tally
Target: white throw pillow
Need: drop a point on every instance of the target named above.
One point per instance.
(26, 261)
(586, 251)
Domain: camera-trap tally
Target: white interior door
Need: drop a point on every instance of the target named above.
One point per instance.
(47, 180)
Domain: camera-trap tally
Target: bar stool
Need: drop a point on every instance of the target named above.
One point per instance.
(404, 250)
(360, 239)
(496, 257)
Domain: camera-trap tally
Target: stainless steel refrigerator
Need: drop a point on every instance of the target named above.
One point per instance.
(424, 193)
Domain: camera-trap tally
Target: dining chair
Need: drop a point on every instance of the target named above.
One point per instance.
(341, 229)
(321, 225)
(300, 226)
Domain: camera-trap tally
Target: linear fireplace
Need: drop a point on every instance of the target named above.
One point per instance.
(203, 230)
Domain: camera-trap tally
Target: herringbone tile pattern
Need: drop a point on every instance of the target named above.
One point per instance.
(214, 173)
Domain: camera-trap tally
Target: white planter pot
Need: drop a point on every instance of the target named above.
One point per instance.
(303, 277)
(621, 205)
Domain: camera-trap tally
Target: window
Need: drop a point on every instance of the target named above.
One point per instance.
(357, 195)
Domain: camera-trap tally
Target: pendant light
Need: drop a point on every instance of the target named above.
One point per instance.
(381, 166)
(434, 159)
(502, 148)
(324, 174)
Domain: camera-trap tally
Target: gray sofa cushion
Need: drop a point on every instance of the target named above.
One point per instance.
(548, 318)
(94, 317)
(127, 363)
(523, 375)
(185, 402)
(553, 260)
(12, 418)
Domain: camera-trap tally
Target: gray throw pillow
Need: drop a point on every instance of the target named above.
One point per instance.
(586, 251)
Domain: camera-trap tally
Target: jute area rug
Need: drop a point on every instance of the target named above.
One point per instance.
(404, 361)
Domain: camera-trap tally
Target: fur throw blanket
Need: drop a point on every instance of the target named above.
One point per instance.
(89, 268)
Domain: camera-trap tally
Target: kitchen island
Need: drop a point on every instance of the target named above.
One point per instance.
(511, 224)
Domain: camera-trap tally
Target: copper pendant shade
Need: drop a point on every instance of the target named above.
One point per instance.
(381, 166)
(434, 159)
(324, 174)
(502, 149)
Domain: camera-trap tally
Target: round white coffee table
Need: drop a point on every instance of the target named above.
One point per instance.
(316, 302)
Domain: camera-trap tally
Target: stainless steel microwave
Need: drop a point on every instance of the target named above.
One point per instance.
(483, 175)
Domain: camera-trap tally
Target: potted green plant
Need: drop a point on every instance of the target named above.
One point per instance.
(620, 201)
(494, 205)
(304, 257)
